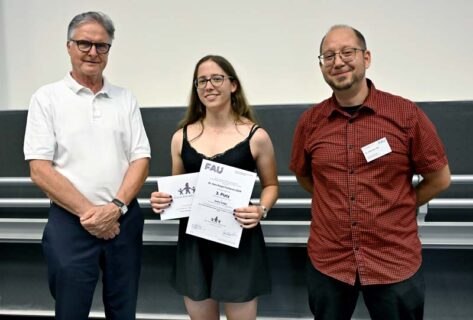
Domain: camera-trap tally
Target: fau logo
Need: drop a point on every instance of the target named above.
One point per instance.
(214, 168)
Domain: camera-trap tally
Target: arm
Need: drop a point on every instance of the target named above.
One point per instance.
(58, 188)
(306, 183)
(432, 184)
(134, 179)
(161, 200)
(99, 221)
(263, 151)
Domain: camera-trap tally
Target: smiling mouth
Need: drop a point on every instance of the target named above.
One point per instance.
(341, 73)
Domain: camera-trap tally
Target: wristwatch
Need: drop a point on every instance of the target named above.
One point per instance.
(123, 208)
(265, 212)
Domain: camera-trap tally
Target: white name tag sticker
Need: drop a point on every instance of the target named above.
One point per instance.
(376, 149)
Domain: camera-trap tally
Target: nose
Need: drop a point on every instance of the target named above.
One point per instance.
(207, 83)
(93, 51)
(337, 59)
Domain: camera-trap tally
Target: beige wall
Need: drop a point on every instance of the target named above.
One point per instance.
(421, 49)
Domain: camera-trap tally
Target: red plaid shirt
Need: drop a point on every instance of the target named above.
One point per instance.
(364, 214)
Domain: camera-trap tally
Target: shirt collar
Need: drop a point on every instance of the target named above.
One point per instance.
(333, 107)
(76, 87)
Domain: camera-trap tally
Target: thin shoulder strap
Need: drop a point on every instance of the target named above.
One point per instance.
(184, 132)
(253, 130)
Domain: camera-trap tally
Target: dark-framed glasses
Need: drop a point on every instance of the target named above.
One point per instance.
(347, 55)
(85, 46)
(216, 80)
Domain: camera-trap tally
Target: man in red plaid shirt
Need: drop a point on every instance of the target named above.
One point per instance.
(356, 153)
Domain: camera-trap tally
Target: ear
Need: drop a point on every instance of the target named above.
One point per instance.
(234, 86)
(69, 46)
(367, 58)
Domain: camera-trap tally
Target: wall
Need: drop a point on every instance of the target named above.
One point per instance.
(421, 49)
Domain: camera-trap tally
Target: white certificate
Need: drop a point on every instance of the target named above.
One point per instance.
(220, 190)
(182, 189)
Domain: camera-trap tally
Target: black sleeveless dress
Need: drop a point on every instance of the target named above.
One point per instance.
(206, 269)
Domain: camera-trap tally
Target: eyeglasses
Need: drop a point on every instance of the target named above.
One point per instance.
(216, 80)
(347, 55)
(86, 46)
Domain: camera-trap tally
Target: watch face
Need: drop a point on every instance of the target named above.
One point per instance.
(123, 208)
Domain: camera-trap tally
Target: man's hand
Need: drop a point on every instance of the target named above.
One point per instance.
(102, 221)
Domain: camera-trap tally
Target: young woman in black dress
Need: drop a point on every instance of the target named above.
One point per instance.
(220, 126)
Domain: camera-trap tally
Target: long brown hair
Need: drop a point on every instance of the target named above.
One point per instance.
(196, 109)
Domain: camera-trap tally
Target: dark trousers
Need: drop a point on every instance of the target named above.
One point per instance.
(331, 299)
(75, 258)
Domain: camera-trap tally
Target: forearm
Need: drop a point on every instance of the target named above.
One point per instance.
(432, 184)
(134, 179)
(58, 188)
(306, 183)
(269, 195)
(426, 192)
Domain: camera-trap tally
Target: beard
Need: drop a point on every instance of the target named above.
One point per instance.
(346, 83)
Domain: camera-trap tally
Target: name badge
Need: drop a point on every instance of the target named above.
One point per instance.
(376, 149)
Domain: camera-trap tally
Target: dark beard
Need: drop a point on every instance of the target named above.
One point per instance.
(340, 87)
(345, 86)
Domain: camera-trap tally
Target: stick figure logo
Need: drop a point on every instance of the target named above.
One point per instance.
(216, 219)
(187, 189)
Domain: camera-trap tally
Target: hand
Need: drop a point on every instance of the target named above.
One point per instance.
(102, 221)
(111, 233)
(248, 217)
(160, 201)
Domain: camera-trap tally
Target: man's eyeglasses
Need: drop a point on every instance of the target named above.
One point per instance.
(216, 80)
(85, 46)
(347, 55)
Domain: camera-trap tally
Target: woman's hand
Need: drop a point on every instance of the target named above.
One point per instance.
(249, 217)
(160, 201)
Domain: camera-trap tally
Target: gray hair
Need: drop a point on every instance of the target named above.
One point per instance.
(91, 16)
(359, 36)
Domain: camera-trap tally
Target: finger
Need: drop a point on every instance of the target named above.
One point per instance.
(246, 222)
(160, 194)
(159, 206)
(249, 226)
(160, 198)
(246, 215)
(244, 209)
(158, 211)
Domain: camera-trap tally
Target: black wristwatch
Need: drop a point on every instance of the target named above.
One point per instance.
(123, 208)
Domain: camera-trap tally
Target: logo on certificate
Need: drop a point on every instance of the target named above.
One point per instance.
(215, 220)
(186, 189)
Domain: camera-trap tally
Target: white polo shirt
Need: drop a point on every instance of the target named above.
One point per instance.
(90, 138)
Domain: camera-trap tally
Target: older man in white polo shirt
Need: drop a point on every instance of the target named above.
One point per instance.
(88, 151)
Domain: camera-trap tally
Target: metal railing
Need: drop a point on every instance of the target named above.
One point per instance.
(277, 233)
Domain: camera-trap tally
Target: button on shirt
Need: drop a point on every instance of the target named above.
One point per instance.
(90, 138)
(364, 213)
